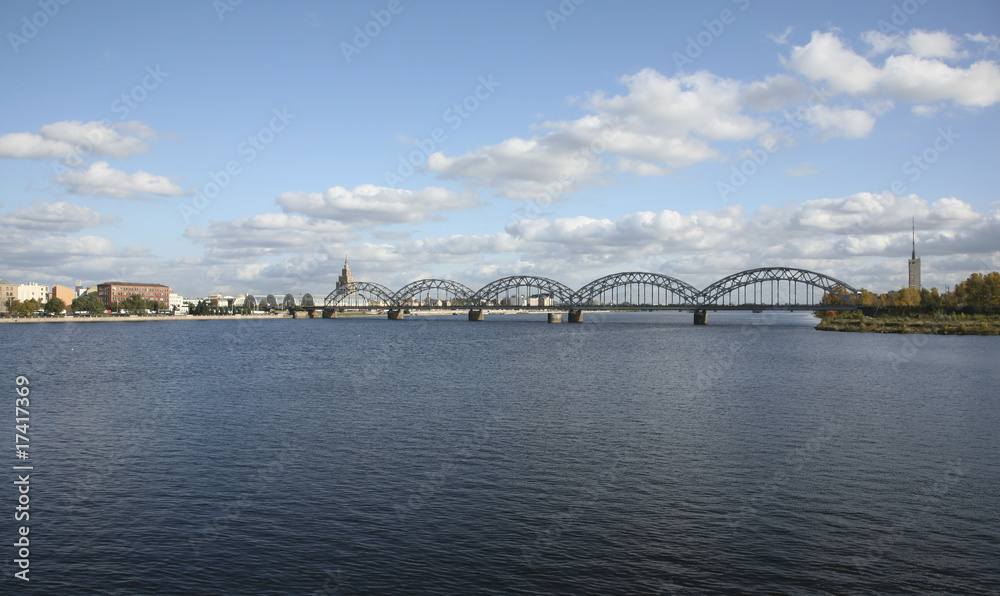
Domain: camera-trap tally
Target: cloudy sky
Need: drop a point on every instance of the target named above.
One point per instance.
(249, 146)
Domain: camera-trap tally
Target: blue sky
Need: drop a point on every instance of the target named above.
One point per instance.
(470, 141)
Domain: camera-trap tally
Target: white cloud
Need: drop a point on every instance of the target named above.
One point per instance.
(58, 217)
(840, 122)
(72, 140)
(376, 205)
(539, 168)
(920, 76)
(825, 58)
(920, 81)
(805, 169)
(934, 44)
(661, 124)
(266, 234)
(101, 179)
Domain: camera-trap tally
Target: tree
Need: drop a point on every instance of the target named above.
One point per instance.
(88, 303)
(55, 306)
(26, 308)
(134, 304)
(979, 290)
(930, 298)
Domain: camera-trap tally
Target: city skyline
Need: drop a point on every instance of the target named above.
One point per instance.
(232, 147)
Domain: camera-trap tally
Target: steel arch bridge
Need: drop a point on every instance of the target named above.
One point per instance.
(288, 302)
(361, 294)
(774, 287)
(411, 294)
(547, 293)
(638, 289)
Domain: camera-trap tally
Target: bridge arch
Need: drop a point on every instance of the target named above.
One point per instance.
(288, 302)
(270, 302)
(776, 286)
(417, 293)
(637, 288)
(528, 292)
(307, 300)
(361, 294)
(250, 302)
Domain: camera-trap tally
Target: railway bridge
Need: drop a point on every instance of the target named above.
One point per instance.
(765, 288)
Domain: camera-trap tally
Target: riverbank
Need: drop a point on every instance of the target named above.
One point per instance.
(136, 318)
(943, 325)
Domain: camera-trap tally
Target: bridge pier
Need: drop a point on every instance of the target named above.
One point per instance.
(329, 313)
(395, 314)
(476, 315)
(700, 317)
(555, 317)
(312, 313)
(575, 316)
(300, 314)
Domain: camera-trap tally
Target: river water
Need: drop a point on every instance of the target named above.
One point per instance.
(633, 453)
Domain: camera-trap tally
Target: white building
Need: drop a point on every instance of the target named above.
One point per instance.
(32, 291)
(176, 303)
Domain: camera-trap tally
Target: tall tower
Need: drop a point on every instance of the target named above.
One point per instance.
(913, 265)
(345, 276)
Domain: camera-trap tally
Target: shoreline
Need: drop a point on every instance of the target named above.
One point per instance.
(983, 326)
(136, 318)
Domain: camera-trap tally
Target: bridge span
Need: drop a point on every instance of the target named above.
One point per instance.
(765, 288)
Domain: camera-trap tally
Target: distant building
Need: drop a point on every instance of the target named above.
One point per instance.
(345, 278)
(913, 264)
(118, 291)
(8, 293)
(63, 293)
(32, 291)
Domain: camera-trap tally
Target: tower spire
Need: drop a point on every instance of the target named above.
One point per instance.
(913, 222)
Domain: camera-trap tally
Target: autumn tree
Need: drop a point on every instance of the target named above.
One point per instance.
(979, 290)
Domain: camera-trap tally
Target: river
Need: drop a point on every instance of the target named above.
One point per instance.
(632, 453)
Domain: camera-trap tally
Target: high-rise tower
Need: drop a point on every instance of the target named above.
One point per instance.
(345, 276)
(913, 265)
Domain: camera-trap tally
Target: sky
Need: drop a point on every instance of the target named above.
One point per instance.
(251, 146)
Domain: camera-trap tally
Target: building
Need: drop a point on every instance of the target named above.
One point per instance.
(913, 265)
(176, 303)
(63, 293)
(345, 278)
(118, 291)
(32, 291)
(8, 294)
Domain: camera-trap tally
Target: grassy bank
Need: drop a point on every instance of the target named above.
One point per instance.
(953, 324)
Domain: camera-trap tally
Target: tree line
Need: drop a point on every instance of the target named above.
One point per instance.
(978, 294)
